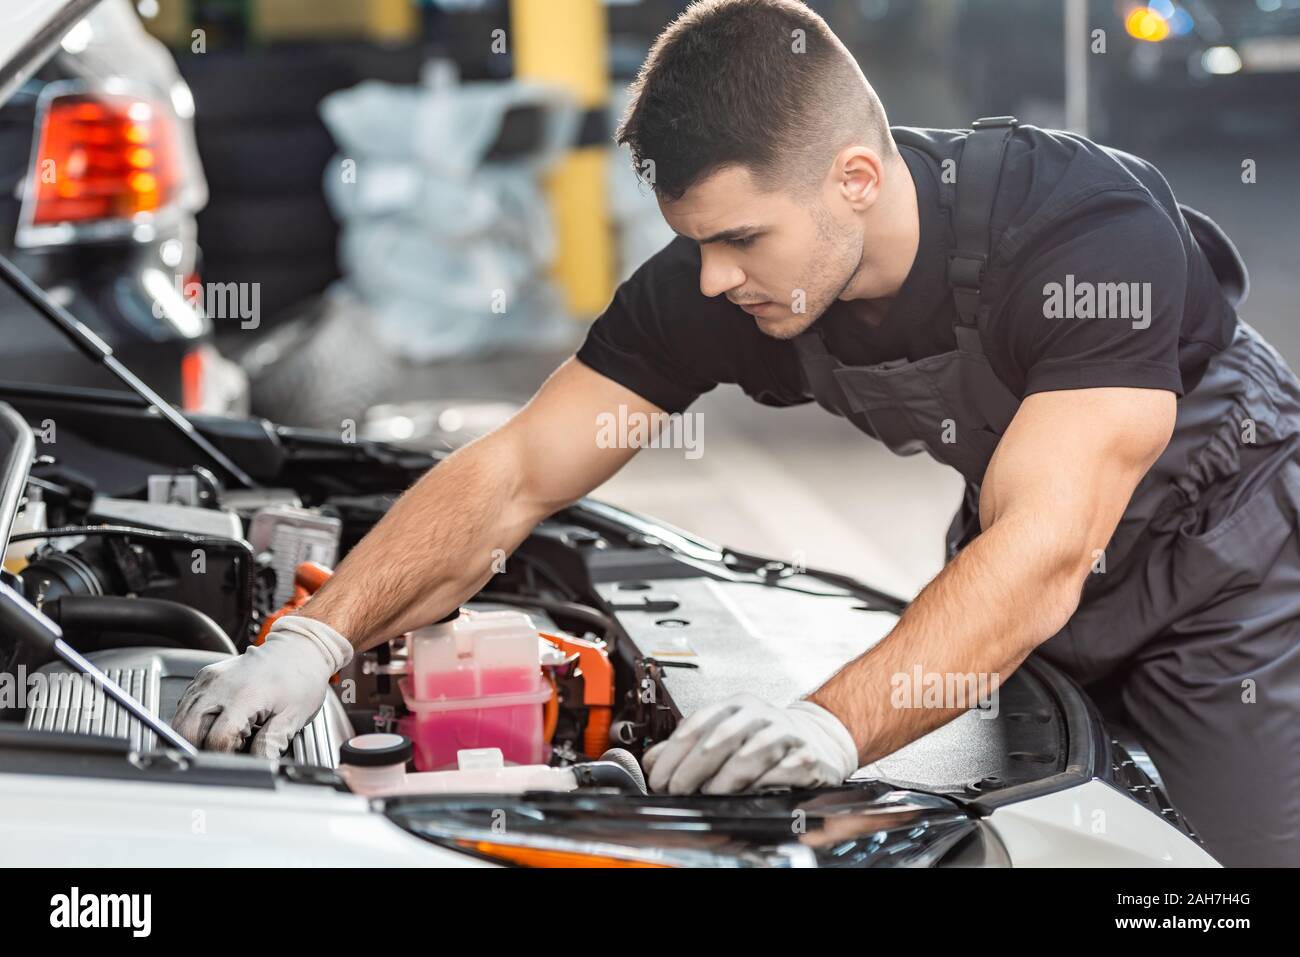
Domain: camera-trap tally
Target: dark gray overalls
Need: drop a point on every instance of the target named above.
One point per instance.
(1193, 628)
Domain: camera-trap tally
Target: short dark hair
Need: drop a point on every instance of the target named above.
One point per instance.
(760, 83)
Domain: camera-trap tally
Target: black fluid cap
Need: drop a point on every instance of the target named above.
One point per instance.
(376, 750)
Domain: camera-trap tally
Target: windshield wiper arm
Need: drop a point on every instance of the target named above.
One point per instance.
(99, 352)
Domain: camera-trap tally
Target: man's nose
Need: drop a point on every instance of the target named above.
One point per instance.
(717, 275)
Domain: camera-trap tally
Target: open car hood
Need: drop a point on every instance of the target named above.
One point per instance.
(29, 31)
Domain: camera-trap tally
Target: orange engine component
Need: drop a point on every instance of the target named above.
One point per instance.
(306, 582)
(598, 693)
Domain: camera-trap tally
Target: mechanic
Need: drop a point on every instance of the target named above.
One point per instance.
(1131, 467)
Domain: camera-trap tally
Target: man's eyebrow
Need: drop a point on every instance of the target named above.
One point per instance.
(727, 235)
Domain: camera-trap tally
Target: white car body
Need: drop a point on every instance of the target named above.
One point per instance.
(57, 821)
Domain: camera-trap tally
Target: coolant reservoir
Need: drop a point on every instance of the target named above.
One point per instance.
(476, 682)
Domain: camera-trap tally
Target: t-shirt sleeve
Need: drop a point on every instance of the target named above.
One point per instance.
(644, 340)
(1102, 306)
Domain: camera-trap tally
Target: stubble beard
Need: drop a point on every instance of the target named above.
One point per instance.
(847, 262)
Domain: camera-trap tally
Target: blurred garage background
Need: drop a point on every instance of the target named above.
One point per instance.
(397, 217)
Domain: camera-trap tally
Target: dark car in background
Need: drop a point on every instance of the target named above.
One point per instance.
(99, 185)
(1156, 68)
(1233, 66)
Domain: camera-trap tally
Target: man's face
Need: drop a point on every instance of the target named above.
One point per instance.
(783, 260)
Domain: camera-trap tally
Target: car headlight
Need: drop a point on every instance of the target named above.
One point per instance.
(867, 825)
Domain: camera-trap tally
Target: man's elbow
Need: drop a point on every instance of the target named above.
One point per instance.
(1064, 562)
(1061, 599)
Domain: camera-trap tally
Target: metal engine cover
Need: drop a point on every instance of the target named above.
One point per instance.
(158, 677)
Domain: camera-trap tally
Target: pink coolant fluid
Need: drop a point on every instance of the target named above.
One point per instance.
(440, 685)
(508, 680)
(476, 683)
(513, 723)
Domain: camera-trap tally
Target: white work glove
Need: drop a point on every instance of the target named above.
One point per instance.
(746, 744)
(279, 684)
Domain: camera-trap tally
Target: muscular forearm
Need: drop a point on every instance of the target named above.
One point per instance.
(435, 547)
(1010, 589)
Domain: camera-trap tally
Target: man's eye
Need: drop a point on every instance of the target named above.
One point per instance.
(741, 243)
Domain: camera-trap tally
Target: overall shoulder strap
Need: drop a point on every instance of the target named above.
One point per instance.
(978, 173)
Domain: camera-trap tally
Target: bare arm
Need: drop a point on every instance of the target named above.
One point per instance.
(1054, 493)
(436, 545)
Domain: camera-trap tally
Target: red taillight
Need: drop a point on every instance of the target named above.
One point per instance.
(103, 157)
(192, 368)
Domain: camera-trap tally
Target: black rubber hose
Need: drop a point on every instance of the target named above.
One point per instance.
(88, 615)
(188, 538)
(593, 619)
(628, 763)
(607, 774)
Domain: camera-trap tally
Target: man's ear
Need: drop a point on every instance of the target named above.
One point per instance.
(858, 174)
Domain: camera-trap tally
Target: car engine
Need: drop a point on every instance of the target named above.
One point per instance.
(641, 625)
(155, 587)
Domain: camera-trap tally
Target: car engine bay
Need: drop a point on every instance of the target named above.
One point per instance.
(154, 568)
(646, 624)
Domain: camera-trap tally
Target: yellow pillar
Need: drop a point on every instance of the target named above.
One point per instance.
(563, 43)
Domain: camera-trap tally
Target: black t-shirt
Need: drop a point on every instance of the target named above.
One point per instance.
(1068, 211)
